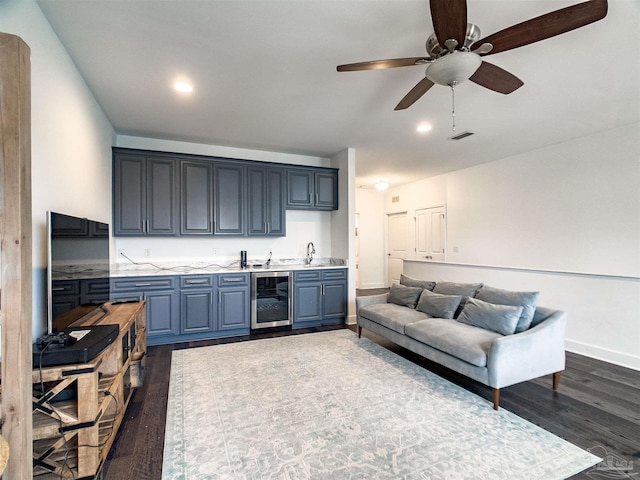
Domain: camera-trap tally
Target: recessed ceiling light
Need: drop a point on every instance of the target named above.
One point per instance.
(183, 87)
(381, 184)
(423, 128)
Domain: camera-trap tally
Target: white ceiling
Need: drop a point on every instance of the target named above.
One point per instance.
(265, 77)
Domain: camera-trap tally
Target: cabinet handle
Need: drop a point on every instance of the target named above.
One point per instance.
(233, 280)
(57, 289)
(322, 290)
(219, 296)
(316, 198)
(143, 284)
(196, 282)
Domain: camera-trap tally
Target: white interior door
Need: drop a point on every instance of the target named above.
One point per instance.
(397, 245)
(430, 233)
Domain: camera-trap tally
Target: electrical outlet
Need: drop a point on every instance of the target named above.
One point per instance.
(147, 252)
(215, 251)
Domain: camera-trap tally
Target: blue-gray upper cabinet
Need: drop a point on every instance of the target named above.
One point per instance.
(266, 201)
(144, 200)
(312, 189)
(196, 197)
(228, 198)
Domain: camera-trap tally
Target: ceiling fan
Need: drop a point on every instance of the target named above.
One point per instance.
(455, 48)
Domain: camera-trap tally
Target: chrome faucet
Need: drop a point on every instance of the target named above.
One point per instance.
(311, 249)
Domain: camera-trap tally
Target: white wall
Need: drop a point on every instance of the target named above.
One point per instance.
(343, 222)
(302, 226)
(564, 220)
(370, 209)
(71, 138)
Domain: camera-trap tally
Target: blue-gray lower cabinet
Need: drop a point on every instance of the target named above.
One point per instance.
(184, 308)
(234, 302)
(319, 297)
(162, 298)
(197, 314)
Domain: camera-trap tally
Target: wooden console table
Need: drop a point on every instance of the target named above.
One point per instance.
(78, 408)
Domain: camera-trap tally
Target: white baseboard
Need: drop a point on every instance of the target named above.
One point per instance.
(604, 354)
(365, 286)
(351, 320)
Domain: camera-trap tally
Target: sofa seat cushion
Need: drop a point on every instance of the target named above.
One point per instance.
(391, 315)
(468, 343)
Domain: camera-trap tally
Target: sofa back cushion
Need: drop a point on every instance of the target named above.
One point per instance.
(404, 296)
(414, 282)
(465, 290)
(497, 318)
(526, 300)
(437, 305)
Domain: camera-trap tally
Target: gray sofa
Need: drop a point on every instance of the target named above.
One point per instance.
(496, 337)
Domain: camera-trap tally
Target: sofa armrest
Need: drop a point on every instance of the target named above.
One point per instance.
(369, 300)
(530, 354)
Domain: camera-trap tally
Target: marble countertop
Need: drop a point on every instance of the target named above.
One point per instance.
(203, 268)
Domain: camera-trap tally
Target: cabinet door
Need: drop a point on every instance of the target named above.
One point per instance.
(257, 207)
(334, 300)
(228, 199)
(299, 189)
(276, 213)
(196, 216)
(326, 190)
(130, 197)
(196, 308)
(162, 313)
(233, 308)
(161, 197)
(307, 302)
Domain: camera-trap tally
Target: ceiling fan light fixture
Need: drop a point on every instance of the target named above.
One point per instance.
(453, 67)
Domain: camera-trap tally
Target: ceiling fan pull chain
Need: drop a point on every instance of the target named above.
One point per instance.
(453, 105)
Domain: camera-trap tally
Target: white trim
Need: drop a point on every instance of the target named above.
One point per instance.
(526, 269)
(604, 354)
(366, 286)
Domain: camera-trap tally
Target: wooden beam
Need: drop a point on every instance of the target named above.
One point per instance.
(15, 258)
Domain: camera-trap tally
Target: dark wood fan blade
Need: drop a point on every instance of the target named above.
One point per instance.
(545, 26)
(449, 20)
(495, 78)
(380, 64)
(415, 93)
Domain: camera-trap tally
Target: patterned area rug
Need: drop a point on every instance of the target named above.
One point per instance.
(331, 406)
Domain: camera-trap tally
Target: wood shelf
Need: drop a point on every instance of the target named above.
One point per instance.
(76, 420)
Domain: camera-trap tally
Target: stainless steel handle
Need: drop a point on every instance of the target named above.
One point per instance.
(57, 289)
(233, 280)
(143, 284)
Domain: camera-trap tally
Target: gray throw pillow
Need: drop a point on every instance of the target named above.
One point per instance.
(526, 300)
(465, 290)
(497, 318)
(414, 282)
(438, 306)
(404, 296)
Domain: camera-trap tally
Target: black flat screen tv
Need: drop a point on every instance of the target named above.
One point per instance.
(77, 269)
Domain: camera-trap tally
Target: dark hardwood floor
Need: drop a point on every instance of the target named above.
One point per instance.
(597, 408)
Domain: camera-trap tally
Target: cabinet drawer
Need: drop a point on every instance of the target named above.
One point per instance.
(95, 285)
(334, 274)
(233, 279)
(66, 287)
(307, 275)
(143, 283)
(196, 281)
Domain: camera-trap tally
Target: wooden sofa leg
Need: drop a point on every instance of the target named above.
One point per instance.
(359, 331)
(496, 398)
(556, 380)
